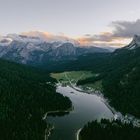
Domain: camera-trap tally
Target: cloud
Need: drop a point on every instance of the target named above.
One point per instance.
(121, 34)
(103, 39)
(126, 29)
(46, 36)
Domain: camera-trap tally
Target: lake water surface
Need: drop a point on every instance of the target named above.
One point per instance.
(87, 107)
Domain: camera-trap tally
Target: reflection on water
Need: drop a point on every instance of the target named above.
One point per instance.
(87, 107)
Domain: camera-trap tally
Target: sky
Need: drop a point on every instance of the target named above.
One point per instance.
(97, 22)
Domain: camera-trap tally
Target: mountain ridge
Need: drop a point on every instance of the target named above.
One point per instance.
(135, 43)
(28, 50)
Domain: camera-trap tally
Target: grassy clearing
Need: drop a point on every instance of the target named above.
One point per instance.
(72, 76)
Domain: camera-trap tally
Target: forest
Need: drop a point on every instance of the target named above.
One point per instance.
(109, 130)
(25, 96)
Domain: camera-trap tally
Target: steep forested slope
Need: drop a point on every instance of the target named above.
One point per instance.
(122, 82)
(91, 61)
(25, 95)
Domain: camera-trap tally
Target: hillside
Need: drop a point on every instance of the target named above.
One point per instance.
(37, 51)
(25, 96)
(122, 82)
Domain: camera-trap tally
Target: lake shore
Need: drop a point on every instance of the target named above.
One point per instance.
(99, 94)
(50, 128)
(57, 111)
(78, 134)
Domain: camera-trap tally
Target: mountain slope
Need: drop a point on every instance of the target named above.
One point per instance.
(35, 51)
(135, 43)
(122, 82)
(25, 96)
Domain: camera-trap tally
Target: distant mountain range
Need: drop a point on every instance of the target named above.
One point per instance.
(118, 72)
(34, 50)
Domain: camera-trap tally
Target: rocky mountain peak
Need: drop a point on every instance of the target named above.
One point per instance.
(135, 43)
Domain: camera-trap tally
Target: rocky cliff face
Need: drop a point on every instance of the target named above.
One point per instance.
(135, 43)
(24, 49)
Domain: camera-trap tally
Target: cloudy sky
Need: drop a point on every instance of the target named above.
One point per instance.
(97, 22)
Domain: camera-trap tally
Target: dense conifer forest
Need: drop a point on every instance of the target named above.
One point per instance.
(109, 130)
(25, 96)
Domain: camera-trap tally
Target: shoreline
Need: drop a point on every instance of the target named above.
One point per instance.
(57, 111)
(49, 132)
(46, 137)
(99, 94)
(78, 133)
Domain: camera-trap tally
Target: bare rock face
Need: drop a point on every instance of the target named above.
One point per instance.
(25, 49)
(135, 43)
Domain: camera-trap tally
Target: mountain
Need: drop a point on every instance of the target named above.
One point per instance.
(34, 50)
(135, 43)
(25, 96)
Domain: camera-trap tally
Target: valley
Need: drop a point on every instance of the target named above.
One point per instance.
(70, 70)
(72, 88)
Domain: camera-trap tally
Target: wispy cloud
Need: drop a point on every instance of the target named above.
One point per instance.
(120, 35)
(126, 29)
(122, 32)
(104, 39)
(48, 36)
